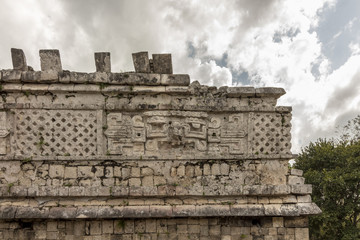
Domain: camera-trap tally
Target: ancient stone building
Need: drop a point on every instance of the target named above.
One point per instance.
(144, 155)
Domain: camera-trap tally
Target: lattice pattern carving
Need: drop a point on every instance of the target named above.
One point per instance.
(55, 132)
(271, 133)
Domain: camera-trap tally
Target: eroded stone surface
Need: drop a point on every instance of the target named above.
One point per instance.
(141, 62)
(226, 228)
(18, 59)
(162, 63)
(50, 60)
(102, 62)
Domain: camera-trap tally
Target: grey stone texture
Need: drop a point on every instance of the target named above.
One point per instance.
(144, 155)
(141, 62)
(162, 63)
(50, 60)
(159, 228)
(18, 59)
(102, 62)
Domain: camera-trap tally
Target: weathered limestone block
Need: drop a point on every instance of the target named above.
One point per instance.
(31, 77)
(149, 79)
(11, 75)
(175, 79)
(293, 180)
(290, 199)
(266, 91)
(304, 199)
(301, 189)
(162, 63)
(102, 62)
(50, 60)
(296, 172)
(18, 59)
(240, 91)
(49, 76)
(73, 77)
(301, 234)
(101, 78)
(310, 208)
(141, 62)
(35, 88)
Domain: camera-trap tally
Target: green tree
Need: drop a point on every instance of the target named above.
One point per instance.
(333, 168)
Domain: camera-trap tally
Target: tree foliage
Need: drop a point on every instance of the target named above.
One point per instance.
(333, 168)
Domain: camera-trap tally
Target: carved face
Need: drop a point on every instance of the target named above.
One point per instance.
(176, 129)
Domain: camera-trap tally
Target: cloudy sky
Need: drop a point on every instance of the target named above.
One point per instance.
(309, 47)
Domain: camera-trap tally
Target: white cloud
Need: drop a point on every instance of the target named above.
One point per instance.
(354, 48)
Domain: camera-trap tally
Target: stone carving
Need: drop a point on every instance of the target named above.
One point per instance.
(125, 135)
(3, 133)
(75, 133)
(55, 132)
(172, 132)
(176, 132)
(228, 136)
(271, 133)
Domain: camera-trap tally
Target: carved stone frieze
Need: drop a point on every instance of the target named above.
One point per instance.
(125, 134)
(3, 133)
(176, 132)
(55, 132)
(162, 133)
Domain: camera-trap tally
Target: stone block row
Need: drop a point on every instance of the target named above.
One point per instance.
(232, 228)
(157, 191)
(105, 212)
(19, 97)
(16, 81)
(101, 78)
(113, 201)
(192, 177)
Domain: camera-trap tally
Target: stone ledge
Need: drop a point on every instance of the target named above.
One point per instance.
(13, 157)
(126, 78)
(243, 210)
(283, 109)
(156, 191)
(12, 85)
(269, 91)
(111, 106)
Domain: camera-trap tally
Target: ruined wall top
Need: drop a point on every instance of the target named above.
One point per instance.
(156, 74)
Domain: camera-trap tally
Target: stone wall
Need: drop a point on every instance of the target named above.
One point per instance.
(227, 228)
(143, 155)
